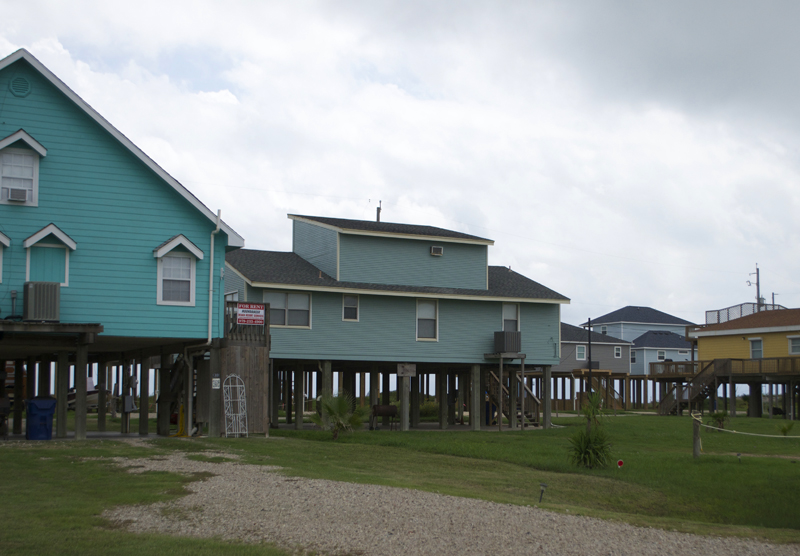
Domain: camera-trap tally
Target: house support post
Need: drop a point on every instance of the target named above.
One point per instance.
(404, 385)
(327, 379)
(732, 395)
(299, 389)
(476, 398)
(500, 397)
(216, 413)
(441, 389)
(461, 391)
(164, 396)
(385, 396)
(754, 405)
(483, 418)
(19, 374)
(144, 395)
(81, 361)
(43, 391)
(102, 396)
(374, 391)
(451, 397)
(275, 393)
(30, 378)
(512, 398)
(287, 394)
(789, 407)
(546, 397)
(62, 388)
(771, 396)
(414, 401)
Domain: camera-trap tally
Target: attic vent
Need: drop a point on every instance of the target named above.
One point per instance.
(19, 86)
(437, 251)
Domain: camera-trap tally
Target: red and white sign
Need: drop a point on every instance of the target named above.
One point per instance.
(250, 313)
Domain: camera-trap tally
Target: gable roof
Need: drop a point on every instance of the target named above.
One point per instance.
(642, 315)
(781, 320)
(234, 239)
(576, 334)
(278, 269)
(390, 229)
(661, 339)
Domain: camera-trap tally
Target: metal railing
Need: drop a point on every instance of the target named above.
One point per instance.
(737, 311)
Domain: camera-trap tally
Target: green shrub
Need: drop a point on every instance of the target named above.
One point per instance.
(338, 415)
(429, 409)
(718, 419)
(590, 448)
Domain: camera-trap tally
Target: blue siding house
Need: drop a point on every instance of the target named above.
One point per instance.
(362, 297)
(136, 260)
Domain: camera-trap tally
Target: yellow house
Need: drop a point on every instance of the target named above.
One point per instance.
(762, 335)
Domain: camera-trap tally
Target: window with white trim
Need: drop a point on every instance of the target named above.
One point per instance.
(350, 307)
(580, 353)
(427, 319)
(617, 352)
(794, 345)
(289, 309)
(47, 255)
(756, 348)
(511, 317)
(661, 355)
(19, 177)
(177, 279)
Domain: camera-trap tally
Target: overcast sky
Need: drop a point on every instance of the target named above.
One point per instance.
(620, 153)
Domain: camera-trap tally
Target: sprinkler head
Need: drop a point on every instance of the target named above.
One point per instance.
(541, 494)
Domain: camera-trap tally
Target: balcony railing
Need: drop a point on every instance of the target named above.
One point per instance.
(767, 366)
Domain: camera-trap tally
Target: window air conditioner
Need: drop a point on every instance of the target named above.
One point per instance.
(17, 194)
(437, 251)
(42, 301)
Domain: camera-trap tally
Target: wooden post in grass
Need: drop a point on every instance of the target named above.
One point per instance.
(299, 389)
(546, 386)
(695, 438)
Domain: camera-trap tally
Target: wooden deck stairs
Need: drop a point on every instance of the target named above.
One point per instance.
(527, 410)
(697, 390)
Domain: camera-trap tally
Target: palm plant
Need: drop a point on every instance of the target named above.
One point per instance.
(591, 447)
(339, 415)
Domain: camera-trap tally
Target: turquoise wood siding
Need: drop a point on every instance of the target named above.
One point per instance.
(315, 244)
(116, 210)
(386, 331)
(409, 262)
(48, 264)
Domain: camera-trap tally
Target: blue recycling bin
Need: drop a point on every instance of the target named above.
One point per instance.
(39, 418)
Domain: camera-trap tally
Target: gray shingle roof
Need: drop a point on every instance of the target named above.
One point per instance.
(389, 228)
(277, 267)
(571, 333)
(645, 315)
(662, 340)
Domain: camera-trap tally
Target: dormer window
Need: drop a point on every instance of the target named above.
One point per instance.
(19, 169)
(177, 271)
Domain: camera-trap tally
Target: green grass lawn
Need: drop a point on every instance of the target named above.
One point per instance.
(53, 496)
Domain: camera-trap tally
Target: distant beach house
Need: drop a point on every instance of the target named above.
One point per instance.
(358, 296)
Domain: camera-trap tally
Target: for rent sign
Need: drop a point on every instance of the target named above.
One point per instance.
(250, 313)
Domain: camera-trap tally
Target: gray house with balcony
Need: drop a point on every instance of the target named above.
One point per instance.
(360, 297)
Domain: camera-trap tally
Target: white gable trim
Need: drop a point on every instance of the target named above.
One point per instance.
(234, 239)
(46, 231)
(5, 241)
(175, 242)
(23, 136)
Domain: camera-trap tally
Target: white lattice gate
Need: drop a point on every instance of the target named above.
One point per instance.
(235, 406)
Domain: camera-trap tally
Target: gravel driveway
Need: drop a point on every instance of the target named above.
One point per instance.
(253, 503)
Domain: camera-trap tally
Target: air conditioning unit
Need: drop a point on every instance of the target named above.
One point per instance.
(42, 301)
(437, 251)
(17, 194)
(507, 342)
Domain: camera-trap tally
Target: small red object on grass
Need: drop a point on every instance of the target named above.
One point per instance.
(620, 463)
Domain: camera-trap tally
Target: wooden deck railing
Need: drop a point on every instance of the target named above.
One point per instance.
(256, 334)
(766, 366)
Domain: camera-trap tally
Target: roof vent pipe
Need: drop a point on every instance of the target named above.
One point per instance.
(379, 211)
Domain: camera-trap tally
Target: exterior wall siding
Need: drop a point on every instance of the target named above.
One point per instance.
(386, 331)
(650, 355)
(775, 344)
(409, 262)
(234, 283)
(317, 245)
(116, 210)
(603, 353)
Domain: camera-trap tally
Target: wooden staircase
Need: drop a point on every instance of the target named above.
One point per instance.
(527, 410)
(695, 391)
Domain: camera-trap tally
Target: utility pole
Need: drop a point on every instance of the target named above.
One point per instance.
(758, 287)
(590, 356)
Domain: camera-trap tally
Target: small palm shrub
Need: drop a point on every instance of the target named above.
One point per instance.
(337, 415)
(785, 429)
(590, 448)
